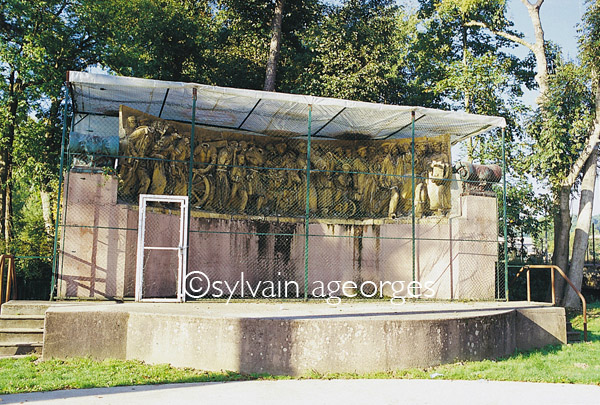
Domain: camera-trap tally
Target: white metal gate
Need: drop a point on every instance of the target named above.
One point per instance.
(156, 255)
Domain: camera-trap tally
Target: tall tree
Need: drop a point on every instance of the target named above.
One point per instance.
(562, 191)
(39, 42)
(590, 51)
(259, 41)
(275, 46)
(561, 127)
(474, 71)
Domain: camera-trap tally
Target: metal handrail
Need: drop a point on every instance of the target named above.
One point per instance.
(553, 267)
(10, 278)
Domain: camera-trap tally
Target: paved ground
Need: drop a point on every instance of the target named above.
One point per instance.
(326, 392)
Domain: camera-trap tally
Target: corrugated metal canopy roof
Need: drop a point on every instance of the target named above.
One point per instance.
(270, 113)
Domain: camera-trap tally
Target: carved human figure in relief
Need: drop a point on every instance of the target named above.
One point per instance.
(255, 157)
(163, 149)
(392, 170)
(438, 185)
(365, 184)
(323, 182)
(239, 193)
(180, 154)
(223, 188)
(134, 172)
(344, 206)
(300, 205)
(203, 180)
(283, 189)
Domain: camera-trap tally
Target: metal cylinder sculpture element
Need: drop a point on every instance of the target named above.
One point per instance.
(93, 150)
(478, 179)
(89, 144)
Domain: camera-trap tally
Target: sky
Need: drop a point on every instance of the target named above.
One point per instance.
(559, 21)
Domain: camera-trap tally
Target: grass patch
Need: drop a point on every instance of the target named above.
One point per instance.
(30, 374)
(577, 363)
(572, 363)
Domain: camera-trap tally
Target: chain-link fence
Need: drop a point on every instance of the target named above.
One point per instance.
(362, 213)
(25, 277)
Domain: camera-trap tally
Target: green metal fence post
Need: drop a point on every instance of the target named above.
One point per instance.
(307, 208)
(546, 242)
(594, 244)
(504, 214)
(60, 181)
(413, 198)
(192, 141)
(190, 179)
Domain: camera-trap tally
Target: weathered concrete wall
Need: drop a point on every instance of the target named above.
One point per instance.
(456, 256)
(359, 339)
(534, 326)
(93, 333)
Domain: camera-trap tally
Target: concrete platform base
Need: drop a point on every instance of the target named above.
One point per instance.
(296, 338)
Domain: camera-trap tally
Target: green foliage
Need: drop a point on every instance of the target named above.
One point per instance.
(32, 244)
(39, 42)
(224, 43)
(468, 8)
(358, 52)
(590, 36)
(527, 213)
(478, 78)
(562, 124)
(472, 70)
(168, 40)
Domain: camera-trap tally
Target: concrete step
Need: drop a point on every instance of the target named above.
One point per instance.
(21, 321)
(15, 307)
(18, 335)
(18, 349)
(15, 356)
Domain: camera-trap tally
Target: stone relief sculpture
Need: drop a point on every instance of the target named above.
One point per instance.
(238, 173)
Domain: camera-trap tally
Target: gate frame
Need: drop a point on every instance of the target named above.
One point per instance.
(182, 249)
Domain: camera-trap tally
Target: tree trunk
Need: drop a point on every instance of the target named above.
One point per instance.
(53, 139)
(557, 227)
(275, 46)
(584, 220)
(561, 246)
(13, 104)
(470, 146)
(539, 48)
(2, 190)
(8, 215)
(47, 214)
